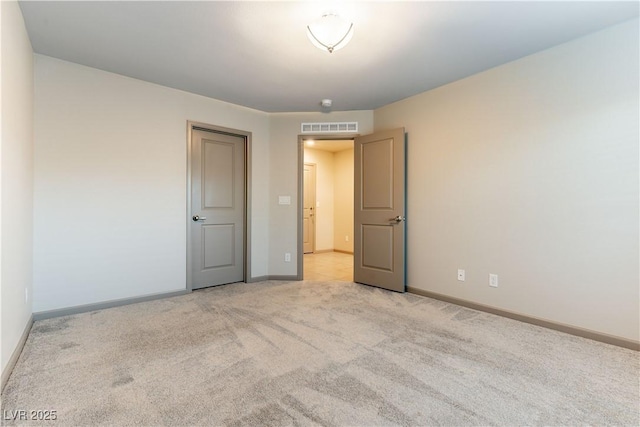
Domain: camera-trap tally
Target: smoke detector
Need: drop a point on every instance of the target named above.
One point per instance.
(326, 103)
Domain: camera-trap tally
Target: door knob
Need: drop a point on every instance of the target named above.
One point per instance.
(398, 219)
(199, 218)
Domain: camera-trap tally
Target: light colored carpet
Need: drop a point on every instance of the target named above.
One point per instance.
(316, 353)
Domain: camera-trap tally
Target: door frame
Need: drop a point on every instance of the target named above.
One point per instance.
(301, 139)
(191, 125)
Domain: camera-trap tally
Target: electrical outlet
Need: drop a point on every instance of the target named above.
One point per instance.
(26, 295)
(461, 275)
(493, 280)
(287, 257)
(346, 238)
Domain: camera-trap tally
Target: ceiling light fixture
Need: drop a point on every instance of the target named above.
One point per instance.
(330, 32)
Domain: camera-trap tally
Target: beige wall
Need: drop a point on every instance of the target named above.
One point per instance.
(110, 184)
(16, 178)
(530, 171)
(324, 196)
(283, 179)
(343, 201)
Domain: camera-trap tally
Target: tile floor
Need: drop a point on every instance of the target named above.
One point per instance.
(328, 266)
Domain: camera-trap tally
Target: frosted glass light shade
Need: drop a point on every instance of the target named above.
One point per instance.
(330, 32)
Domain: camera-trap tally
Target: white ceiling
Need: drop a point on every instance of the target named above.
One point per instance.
(257, 54)
(331, 145)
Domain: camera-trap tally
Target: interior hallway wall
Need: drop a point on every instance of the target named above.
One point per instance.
(530, 171)
(16, 179)
(323, 211)
(110, 184)
(343, 201)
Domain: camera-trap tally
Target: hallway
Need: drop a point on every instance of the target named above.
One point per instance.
(328, 266)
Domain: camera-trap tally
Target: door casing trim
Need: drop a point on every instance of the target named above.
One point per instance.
(247, 195)
(300, 207)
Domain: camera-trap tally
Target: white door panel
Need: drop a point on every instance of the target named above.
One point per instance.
(309, 209)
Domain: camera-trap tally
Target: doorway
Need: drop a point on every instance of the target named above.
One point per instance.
(327, 208)
(217, 205)
(379, 202)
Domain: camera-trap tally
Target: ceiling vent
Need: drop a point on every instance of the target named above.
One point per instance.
(336, 127)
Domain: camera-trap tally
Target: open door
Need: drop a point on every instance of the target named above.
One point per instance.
(379, 205)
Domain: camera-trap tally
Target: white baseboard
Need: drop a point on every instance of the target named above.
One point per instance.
(41, 315)
(568, 329)
(6, 373)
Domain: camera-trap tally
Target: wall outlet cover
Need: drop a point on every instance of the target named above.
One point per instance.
(493, 280)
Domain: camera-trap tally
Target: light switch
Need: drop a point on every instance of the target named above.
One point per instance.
(284, 200)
